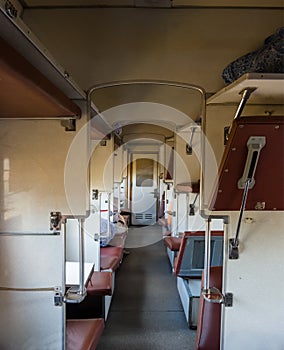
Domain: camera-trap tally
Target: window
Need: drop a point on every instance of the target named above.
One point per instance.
(144, 172)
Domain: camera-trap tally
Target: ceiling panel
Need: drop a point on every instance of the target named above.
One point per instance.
(230, 3)
(154, 3)
(59, 3)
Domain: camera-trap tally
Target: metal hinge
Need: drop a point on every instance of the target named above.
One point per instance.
(228, 299)
(58, 297)
(55, 221)
(69, 124)
(213, 295)
(11, 10)
(169, 212)
(233, 249)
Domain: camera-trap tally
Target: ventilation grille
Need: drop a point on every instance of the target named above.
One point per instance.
(141, 216)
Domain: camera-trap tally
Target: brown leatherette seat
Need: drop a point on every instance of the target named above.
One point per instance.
(209, 316)
(83, 334)
(173, 243)
(100, 283)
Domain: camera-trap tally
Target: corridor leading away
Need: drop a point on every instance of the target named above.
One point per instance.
(146, 312)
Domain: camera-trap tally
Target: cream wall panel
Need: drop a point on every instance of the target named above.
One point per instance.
(102, 166)
(118, 164)
(187, 166)
(43, 169)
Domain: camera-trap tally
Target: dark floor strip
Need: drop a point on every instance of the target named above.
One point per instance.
(146, 312)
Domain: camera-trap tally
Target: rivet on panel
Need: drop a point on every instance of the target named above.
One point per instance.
(249, 220)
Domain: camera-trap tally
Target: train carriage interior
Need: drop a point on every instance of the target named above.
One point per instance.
(141, 174)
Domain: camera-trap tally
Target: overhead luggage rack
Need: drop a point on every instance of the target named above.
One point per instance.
(251, 175)
(47, 88)
(268, 90)
(27, 93)
(15, 32)
(253, 142)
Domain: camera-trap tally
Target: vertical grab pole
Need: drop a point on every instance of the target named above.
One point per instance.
(81, 256)
(109, 215)
(207, 256)
(64, 283)
(188, 211)
(177, 213)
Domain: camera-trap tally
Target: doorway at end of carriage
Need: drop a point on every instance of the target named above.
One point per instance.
(144, 188)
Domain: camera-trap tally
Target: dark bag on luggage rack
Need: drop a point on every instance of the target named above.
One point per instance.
(269, 58)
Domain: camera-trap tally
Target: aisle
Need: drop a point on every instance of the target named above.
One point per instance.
(146, 313)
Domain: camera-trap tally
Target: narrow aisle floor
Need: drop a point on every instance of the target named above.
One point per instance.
(146, 312)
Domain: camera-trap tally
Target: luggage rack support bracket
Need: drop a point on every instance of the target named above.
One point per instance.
(246, 182)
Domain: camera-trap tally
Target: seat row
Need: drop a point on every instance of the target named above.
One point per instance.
(86, 320)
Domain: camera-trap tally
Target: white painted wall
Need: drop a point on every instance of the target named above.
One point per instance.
(29, 319)
(91, 240)
(256, 319)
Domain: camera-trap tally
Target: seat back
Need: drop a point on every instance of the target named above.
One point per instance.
(190, 259)
(209, 316)
(173, 243)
